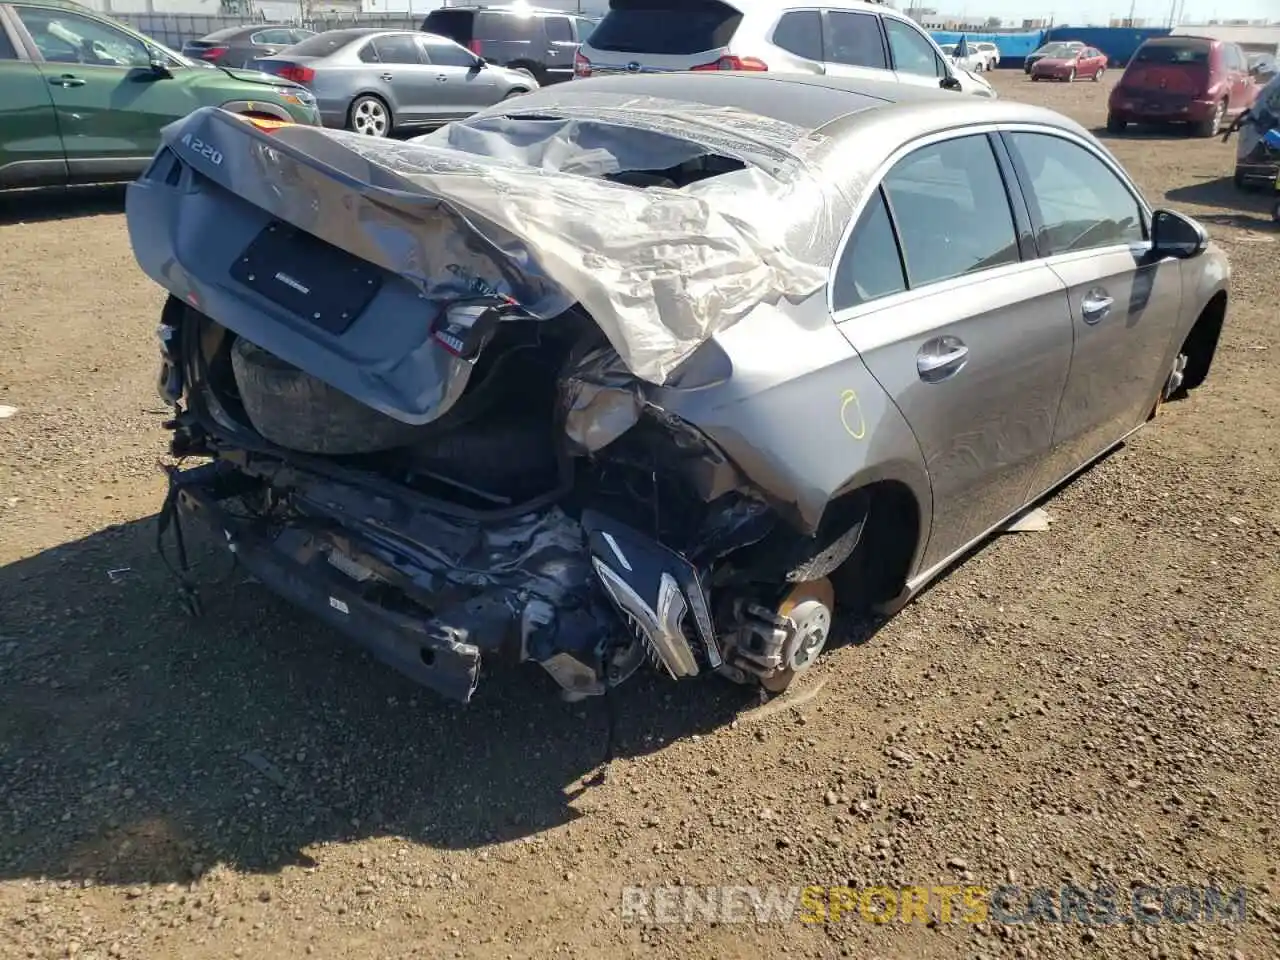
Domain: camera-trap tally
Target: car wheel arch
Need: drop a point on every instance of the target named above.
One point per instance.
(1201, 343)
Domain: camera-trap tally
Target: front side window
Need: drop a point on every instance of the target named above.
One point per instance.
(912, 52)
(854, 39)
(64, 37)
(800, 32)
(951, 210)
(398, 48)
(1080, 202)
(870, 267)
(448, 55)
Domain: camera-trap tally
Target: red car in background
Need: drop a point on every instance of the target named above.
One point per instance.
(1192, 80)
(1071, 65)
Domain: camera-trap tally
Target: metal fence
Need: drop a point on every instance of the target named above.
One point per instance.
(174, 29)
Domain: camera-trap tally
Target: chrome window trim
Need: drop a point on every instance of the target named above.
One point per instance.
(956, 133)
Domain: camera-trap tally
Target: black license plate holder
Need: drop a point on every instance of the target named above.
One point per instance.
(310, 277)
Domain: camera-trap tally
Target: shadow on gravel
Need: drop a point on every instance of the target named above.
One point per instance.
(1254, 206)
(138, 744)
(63, 203)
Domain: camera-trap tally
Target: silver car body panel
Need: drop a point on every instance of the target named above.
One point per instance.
(807, 403)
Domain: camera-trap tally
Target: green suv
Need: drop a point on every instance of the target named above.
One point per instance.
(83, 98)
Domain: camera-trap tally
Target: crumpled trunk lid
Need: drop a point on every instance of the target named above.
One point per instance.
(426, 226)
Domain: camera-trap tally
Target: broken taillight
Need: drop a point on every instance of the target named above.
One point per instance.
(734, 63)
(212, 53)
(581, 66)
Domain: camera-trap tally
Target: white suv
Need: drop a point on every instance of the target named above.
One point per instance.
(841, 38)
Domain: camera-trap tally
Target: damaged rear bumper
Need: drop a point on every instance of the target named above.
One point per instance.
(434, 597)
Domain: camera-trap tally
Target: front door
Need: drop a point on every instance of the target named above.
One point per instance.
(1092, 232)
(972, 342)
(110, 103)
(467, 84)
(30, 147)
(915, 61)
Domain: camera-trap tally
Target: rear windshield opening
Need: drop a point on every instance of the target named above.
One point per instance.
(666, 27)
(1173, 53)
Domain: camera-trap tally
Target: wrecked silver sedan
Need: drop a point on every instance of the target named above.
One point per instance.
(662, 367)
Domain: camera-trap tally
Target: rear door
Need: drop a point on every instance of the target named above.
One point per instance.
(416, 90)
(110, 104)
(912, 54)
(1091, 228)
(854, 45)
(562, 44)
(30, 147)
(972, 342)
(662, 35)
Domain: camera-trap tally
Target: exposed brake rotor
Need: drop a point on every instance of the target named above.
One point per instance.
(809, 606)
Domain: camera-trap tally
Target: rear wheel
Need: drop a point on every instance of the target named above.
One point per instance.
(369, 116)
(1098, 76)
(1071, 77)
(1210, 127)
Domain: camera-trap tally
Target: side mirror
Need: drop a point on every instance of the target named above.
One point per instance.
(950, 82)
(479, 64)
(159, 64)
(1175, 235)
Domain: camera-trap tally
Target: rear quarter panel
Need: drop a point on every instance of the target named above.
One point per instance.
(800, 415)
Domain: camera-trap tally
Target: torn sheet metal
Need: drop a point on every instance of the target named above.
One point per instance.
(511, 204)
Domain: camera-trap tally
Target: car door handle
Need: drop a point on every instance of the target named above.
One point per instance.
(1096, 305)
(442, 78)
(386, 77)
(66, 80)
(941, 358)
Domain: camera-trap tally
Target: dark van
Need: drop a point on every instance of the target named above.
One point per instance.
(541, 41)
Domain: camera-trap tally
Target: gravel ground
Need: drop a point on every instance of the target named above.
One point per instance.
(1095, 704)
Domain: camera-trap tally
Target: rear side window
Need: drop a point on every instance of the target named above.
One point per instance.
(854, 39)
(367, 54)
(951, 210)
(800, 32)
(1081, 203)
(275, 35)
(559, 30)
(1172, 53)
(912, 53)
(299, 34)
(454, 24)
(870, 267)
(508, 28)
(666, 27)
(397, 49)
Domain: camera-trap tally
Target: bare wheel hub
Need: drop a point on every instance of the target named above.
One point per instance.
(808, 606)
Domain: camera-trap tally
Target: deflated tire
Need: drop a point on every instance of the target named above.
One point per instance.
(295, 410)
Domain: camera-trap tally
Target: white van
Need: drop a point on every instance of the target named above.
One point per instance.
(840, 38)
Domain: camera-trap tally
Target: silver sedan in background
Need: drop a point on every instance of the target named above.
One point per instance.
(377, 81)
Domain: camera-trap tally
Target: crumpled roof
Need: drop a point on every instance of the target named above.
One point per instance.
(659, 270)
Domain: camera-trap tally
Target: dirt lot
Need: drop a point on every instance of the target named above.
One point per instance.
(1094, 705)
